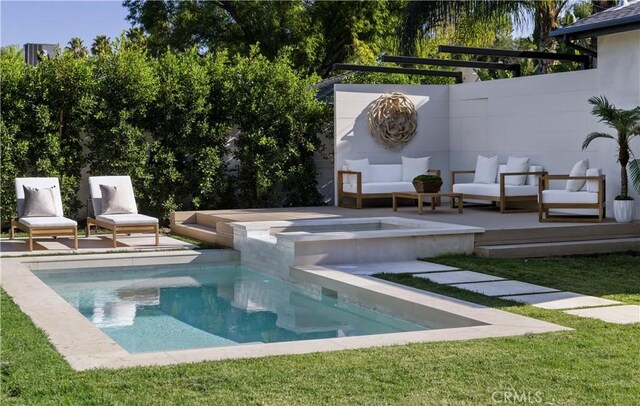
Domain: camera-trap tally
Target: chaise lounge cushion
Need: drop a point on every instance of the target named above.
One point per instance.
(127, 219)
(493, 189)
(47, 222)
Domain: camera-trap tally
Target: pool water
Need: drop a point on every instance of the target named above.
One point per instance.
(181, 307)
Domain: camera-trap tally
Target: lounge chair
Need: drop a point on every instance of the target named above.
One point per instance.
(40, 210)
(118, 212)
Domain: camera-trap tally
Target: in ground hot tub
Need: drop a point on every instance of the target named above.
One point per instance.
(276, 245)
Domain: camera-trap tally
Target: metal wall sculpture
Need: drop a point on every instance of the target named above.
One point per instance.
(393, 121)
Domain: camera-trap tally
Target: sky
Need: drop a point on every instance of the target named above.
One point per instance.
(56, 22)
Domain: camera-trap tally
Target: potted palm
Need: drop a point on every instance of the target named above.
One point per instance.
(627, 126)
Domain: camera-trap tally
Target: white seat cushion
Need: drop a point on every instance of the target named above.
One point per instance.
(381, 187)
(127, 219)
(45, 222)
(563, 196)
(493, 189)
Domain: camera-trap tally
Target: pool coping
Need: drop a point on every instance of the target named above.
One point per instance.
(84, 346)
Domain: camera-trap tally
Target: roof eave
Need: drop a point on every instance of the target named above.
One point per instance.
(596, 29)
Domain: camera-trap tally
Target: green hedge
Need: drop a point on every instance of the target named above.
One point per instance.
(165, 122)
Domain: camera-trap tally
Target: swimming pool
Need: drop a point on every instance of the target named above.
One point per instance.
(89, 306)
(181, 307)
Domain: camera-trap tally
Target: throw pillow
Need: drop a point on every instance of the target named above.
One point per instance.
(516, 165)
(593, 185)
(579, 169)
(38, 202)
(412, 167)
(116, 199)
(486, 169)
(359, 165)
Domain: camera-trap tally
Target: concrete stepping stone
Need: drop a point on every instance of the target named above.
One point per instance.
(616, 314)
(561, 300)
(393, 267)
(457, 277)
(504, 288)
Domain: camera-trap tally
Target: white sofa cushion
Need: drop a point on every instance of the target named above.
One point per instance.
(593, 185)
(486, 169)
(516, 165)
(385, 173)
(127, 219)
(412, 167)
(358, 165)
(564, 196)
(381, 187)
(45, 222)
(493, 189)
(579, 169)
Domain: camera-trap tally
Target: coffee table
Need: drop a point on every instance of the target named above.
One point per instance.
(435, 197)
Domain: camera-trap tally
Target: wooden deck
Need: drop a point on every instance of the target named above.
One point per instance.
(507, 235)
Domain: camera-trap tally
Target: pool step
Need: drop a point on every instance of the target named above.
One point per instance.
(559, 248)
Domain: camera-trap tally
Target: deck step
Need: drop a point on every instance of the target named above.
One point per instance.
(559, 248)
(559, 234)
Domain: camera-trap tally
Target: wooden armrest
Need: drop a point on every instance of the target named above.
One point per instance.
(454, 173)
(358, 176)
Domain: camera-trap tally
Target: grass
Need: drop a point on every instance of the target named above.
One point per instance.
(597, 363)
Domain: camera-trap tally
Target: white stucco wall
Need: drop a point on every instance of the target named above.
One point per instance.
(619, 80)
(352, 136)
(544, 117)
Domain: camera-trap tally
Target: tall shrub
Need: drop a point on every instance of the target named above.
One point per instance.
(188, 148)
(279, 121)
(126, 87)
(46, 109)
(13, 145)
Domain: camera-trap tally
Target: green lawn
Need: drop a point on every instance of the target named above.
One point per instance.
(597, 363)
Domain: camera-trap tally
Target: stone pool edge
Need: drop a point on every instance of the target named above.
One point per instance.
(85, 346)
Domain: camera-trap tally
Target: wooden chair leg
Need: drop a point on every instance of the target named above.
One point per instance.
(75, 238)
(30, 240)
(87, 230)
(115, 243)
(157, 235)
(12, 232)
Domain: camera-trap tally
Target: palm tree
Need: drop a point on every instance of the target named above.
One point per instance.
(627, 126)
(425, 15)
(101, 45)
(77, 48)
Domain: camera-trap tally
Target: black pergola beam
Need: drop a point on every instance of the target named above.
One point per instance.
(513, 67)
(389, 69)
(509, 53)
